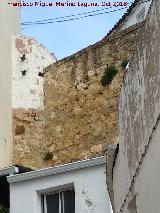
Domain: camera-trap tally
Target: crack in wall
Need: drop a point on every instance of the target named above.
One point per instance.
(140, 163)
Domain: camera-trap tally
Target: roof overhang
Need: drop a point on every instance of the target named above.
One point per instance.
(57, 169)
(9, 171)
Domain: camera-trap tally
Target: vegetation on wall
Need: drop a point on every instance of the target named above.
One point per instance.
(3, 209)
(108, 75)
(124, 63)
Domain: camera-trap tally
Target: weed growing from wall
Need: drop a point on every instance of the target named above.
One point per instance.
(124, 63)
(108, 75)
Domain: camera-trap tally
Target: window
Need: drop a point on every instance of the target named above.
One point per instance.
(59, 202)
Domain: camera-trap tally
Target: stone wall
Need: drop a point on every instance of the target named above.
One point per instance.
(29, 60)
(139, 108)
(28, 133)
(81, 115)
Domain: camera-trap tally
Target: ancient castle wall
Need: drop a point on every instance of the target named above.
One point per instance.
(80, 114)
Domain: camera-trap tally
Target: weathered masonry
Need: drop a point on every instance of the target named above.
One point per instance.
(136, 170)
(80, 114)
(65, 114)
(29, 60)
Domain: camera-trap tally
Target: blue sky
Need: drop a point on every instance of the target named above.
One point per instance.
(64, 39)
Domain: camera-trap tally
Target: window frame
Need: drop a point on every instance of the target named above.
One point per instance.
(60, 197)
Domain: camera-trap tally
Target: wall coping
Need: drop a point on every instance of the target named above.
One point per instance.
(57, 169)
(102, 42)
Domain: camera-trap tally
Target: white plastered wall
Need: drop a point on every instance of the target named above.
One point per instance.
(91, 194)
(27, 90)
(147, 187)
(136, 169)
(9, 22)
(133, 17)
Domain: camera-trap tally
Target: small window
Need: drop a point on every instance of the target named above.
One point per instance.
(60, 202)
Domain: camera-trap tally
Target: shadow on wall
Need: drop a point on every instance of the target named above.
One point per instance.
(4, 192)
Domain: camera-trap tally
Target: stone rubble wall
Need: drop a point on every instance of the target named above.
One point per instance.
(81, 115)
(28, 133)
(28, 100)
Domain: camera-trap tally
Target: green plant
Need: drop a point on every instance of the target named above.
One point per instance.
(124, 63)
(108, 75)
(3, 209)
